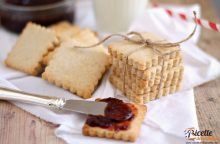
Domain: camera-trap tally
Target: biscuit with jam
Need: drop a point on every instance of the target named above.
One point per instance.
(122, 121)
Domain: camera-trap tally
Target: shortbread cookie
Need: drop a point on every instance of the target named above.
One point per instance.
(168, 65)
(141, 72)
(147, 85)
(86, 35)
(139, 56)
(61, 26)
(65, 30)
(168, 76)
(142, 98)
(127, 130)
(48, 57)
(151, 73)
(78, 69)
(137, 90)
(32, 45)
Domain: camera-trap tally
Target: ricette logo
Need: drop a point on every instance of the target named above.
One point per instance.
(195, 136)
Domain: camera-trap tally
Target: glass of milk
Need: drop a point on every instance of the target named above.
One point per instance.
(115, 16)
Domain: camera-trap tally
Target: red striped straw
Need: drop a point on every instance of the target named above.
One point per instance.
(202, 22)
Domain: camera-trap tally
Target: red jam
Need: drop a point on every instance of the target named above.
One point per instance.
(118, 115)
(117, 110)
(14, 15)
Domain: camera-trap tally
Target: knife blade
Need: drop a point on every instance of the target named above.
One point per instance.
(80, 106)
(86, 107)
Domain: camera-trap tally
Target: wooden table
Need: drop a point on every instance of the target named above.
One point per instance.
(18, 126)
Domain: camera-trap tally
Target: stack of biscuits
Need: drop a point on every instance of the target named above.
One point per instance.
(141, 73)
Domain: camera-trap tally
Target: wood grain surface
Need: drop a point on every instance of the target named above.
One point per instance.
(20, 127)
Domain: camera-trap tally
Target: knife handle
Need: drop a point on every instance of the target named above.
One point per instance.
(15, 95)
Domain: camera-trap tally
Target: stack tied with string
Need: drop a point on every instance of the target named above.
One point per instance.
(146, 67)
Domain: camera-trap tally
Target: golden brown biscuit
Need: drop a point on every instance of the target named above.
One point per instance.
(139, 56)
(129, 134)
(169, 77)
(142, 73)
(78, 69)
(32, 45)
(149, 72)
(148, 95)
(65, 30)
(48, 57)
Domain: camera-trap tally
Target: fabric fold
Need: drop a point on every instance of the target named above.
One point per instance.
(166, 118)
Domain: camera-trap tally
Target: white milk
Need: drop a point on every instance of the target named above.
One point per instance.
(117, 15)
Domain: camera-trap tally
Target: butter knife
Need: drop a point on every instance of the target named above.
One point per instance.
(80, 106)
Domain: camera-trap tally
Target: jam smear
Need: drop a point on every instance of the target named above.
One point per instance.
(118, 115)
(117, 110)
(99, 121)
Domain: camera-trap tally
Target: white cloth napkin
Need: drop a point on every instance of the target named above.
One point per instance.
(166, 119)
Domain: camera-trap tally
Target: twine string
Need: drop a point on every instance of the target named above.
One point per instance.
(147, 43)
(142, 40)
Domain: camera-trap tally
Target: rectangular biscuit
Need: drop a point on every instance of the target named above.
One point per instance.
(78, 69)
(142, 98)
(139, 71)
(48, 57)
(65, 30)
(148, 73)
(151, 73)
(139, 56)
(173, 76)
(131, 134)
(138, 90)
(32, 45)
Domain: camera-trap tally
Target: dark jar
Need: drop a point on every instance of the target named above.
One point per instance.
(14, 16)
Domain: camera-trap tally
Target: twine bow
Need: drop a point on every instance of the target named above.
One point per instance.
(146, 43)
